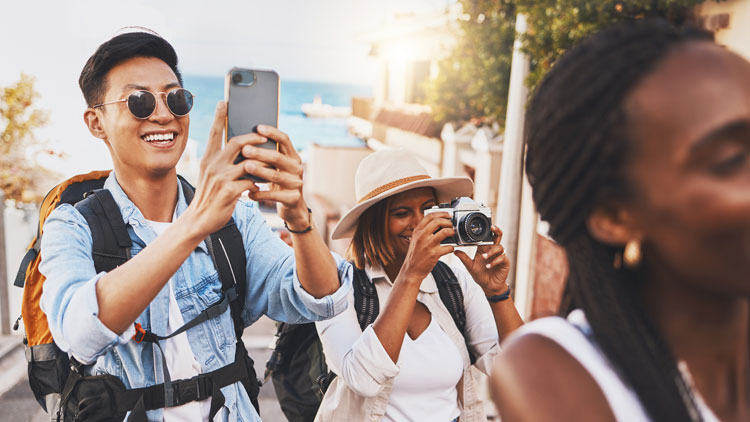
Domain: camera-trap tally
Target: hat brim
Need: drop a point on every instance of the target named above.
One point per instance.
(447, 188)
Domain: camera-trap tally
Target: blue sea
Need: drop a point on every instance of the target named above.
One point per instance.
(208, 90)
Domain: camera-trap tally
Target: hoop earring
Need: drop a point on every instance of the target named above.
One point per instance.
(632, 256)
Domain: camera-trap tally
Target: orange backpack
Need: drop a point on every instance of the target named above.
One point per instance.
(40, 347)
(29, 278)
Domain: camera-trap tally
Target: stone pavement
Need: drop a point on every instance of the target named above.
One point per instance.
(17, 403)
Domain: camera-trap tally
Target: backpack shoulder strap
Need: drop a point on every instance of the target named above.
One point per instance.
(367, 305)
(68, 191)
(111, 241)
(228, 253)
(450, 293)
(453, 298)
(365, 299)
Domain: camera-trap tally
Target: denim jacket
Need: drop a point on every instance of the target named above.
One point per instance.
(70, 303)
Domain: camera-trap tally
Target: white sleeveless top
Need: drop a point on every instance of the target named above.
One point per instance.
(575, 336)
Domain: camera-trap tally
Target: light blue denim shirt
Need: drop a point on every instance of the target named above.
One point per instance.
(70, 303)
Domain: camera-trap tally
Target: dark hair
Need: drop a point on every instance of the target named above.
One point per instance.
(93, 79)
(370, 243)
(578, 148)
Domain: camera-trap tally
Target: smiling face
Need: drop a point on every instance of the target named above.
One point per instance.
(405, 211)
(148, 147)
(690, 120)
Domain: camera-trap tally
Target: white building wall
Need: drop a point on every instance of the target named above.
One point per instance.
(737, 35)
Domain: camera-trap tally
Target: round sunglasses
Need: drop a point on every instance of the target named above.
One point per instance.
(142, 104)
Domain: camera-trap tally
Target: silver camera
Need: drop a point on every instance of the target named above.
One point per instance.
(471, 220)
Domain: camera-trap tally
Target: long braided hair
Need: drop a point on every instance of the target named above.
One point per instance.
(578, 149)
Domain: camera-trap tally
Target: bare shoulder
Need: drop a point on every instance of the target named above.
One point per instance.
(535, 379)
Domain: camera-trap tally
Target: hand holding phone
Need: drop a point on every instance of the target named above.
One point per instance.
(252, 97)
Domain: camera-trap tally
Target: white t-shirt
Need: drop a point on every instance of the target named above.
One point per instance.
(425, 388)
(180, 359)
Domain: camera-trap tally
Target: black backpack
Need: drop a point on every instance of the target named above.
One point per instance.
(297, 365)
(58, 382)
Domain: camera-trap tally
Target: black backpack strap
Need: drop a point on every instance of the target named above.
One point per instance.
(450, 293)
(367, 305)
(187, 189)
(28, 258)
(227, 249)
(228, 252)
(452, 297)
(199, 387)
(365, 299)
(111, 241)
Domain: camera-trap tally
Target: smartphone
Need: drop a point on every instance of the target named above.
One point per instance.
(252, 97)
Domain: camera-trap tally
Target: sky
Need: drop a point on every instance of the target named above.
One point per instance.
(309, 40)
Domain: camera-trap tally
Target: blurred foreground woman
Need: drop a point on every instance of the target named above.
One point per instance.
(638, 154)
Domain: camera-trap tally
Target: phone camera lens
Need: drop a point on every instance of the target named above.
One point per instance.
(237, 77)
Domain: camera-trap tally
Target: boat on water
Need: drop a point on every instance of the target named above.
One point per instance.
(317, 109)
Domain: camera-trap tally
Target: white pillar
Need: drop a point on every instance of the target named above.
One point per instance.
(509, 195)
(488, 156)
(525, 270)
(450, 152)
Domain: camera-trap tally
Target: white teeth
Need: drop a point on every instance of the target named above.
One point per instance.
(158, 137)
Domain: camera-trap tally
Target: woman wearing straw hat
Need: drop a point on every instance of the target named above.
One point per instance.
(412, 363)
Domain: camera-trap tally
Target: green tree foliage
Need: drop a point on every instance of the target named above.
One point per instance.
(556, 25)
(472, 84)
(19, 175)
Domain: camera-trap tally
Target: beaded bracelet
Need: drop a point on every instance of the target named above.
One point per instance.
(499, 298)
(303, 231)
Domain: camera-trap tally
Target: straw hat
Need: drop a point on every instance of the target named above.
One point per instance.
(388, 172)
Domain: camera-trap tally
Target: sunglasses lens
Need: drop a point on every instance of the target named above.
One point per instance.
(141, 104)
(180, 101)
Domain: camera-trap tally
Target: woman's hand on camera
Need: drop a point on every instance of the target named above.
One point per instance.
(425, 248)
(285, 176)
(490, 266)
(220, 184)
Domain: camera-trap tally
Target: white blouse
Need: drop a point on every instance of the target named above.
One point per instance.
(361, 362)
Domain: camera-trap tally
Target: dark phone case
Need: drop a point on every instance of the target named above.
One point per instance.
(250, 106)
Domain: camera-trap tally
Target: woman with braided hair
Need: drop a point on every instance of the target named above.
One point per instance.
(639, 158)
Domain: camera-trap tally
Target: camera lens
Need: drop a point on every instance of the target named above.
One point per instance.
(237, 77)
(474, 227)
(477, 227)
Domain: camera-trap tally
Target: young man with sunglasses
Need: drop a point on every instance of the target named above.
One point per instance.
(138, 108)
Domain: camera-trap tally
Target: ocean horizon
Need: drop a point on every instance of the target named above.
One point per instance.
(209, 89)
